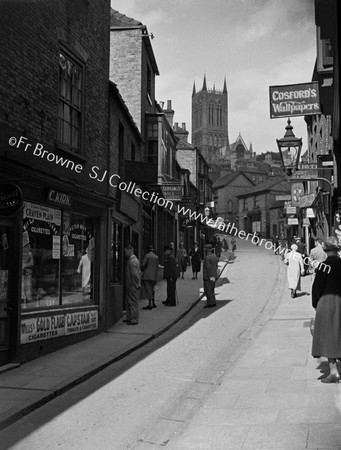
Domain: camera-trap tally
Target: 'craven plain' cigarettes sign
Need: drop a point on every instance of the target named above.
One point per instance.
(294, 100)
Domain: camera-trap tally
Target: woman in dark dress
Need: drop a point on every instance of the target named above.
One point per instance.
(195, 255)
(326, 299)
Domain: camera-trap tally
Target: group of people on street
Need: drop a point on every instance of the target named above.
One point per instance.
(141, 279)
(325, 263)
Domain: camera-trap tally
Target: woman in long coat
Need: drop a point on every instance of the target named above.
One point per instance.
(326, 299)
(196, 257)
(295, 265)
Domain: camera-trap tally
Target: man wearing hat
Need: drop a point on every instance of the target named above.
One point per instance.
(210, 274)
(170, 273)
(149, 267)
(133, 286)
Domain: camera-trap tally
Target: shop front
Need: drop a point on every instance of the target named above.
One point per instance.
(51, 255)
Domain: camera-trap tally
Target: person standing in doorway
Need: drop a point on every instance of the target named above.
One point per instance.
(149, 267)
(84, 268)
(218, 248)
(133, 287)
(170, 274)
(210, 274)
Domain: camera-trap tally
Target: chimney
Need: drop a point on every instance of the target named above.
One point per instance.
(169, 113)
(184, 126)
(161, 104)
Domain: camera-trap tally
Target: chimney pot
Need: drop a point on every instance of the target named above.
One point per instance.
(169, 104)
(184, 126)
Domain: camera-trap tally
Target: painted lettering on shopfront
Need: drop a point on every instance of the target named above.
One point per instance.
(60, 198)
(47, 327)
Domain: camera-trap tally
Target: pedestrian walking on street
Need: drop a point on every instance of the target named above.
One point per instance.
(195, 255)
(210, 274)
(326, 299)
(182, 259)
(133, 287)
(317, 255)
(150, 268)
(170, 274)
(295, 265)
(218, 248)
(225, 244)
(233, 245)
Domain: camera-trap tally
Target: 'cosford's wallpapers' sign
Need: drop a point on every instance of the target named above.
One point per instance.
(294, 100)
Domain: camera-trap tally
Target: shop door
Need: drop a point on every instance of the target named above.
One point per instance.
(8, 303)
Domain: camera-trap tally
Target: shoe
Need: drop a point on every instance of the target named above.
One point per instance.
(154, 305)
(210, 306)
(331, 379)
(165, 302)
(132, 323)
(147, 307)
(193, 278)
(169, 304)
(126, 320)
(182, 277)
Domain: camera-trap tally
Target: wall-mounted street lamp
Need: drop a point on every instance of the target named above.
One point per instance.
(289, 148)
(207, 211)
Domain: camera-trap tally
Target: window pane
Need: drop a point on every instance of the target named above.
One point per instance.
(40, 258)
(67, 133)
(78, 253)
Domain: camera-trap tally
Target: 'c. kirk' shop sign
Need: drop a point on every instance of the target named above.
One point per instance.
(294, 100)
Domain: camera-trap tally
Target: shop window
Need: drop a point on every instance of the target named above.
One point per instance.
(116, 253)
(70, 102)
(57, 258)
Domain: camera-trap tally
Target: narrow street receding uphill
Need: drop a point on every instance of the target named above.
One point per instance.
(143, 399)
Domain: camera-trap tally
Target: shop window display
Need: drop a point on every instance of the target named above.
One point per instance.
(57, 258)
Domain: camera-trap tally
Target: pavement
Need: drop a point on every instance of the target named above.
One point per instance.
(270, 396)
(26, 387)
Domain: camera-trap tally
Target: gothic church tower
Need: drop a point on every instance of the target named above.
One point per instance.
(210, 121)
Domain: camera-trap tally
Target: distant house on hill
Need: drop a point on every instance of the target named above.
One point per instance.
(226, 190)
(254, 206)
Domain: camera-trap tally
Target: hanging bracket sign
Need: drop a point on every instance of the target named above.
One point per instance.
(11, 199)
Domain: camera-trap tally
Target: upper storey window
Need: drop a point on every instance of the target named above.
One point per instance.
(70, 102)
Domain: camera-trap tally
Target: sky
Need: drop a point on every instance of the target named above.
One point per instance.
(253, 43)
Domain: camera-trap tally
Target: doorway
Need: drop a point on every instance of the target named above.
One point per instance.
(8, 291)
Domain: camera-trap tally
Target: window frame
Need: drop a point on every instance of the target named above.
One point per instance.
(77, 61)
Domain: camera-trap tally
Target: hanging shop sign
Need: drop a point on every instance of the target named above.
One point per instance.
(283, 197)
(294, 100)
(11, 199)
(172, 191)
(297, 190)
(306, 200)
(306, 222)
(292, 221)
(310, 213)
(291, 210)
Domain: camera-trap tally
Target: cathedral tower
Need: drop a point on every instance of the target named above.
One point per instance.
(210, 121)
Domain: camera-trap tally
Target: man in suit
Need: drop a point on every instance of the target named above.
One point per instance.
(133, 286)
(210, 274)
(171, 275)
(149, 267)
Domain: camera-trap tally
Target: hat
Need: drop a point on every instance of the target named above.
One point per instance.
(150, 248)
(167, 247)
(331, 243)
(129, 247)
(298, 239)
(208, 246)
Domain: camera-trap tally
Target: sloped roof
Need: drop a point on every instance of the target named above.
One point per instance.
(239, 140)
(120, 20)
(227, 179)
(266, 186)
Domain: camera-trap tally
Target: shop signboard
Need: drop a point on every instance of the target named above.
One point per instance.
(78, 322)
(310, 213)
(294, 100)
(306, 222)
(47, 327)
(172, 191)
(283, 197)
(306, 200)
(11, 199)
(41, 328)
(291, 210)
(292, 221)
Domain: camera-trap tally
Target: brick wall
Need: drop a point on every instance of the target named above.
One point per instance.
(31, 34)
